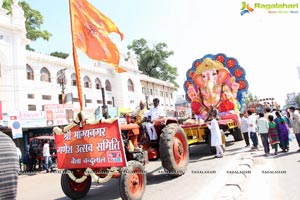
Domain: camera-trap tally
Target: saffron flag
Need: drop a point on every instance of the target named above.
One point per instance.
(90, 30)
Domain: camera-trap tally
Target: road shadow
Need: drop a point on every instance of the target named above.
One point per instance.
(199, 152)
(282, 154)
(162, 177)
(202, 152)
(109, 190)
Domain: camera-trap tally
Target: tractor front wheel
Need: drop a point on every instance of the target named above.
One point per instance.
(174, 150)
(132, 181)
(72, 189)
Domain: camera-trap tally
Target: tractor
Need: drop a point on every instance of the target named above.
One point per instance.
(171, 147)
(103, 159)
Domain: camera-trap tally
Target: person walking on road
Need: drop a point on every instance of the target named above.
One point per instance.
(47, 157)
(216, 137)
(252, 128)
(273, 134)
(283, 131)
(263, 131)
(295, 119)
(244, 128)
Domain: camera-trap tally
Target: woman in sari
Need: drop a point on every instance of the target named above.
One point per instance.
(273, 134)
(283, 131)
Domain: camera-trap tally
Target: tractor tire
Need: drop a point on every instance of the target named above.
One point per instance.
(174, 150)
(72, 189)
(132, 182)
(237, 134)
(223, 146)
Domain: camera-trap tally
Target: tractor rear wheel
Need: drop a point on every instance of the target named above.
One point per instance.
(72, 189)
(133, 181)
(174, 150)
(237, 134)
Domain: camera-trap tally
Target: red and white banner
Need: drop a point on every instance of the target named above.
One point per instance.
(58, 114)
(93, 146)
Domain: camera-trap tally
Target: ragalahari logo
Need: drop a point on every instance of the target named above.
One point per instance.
(246, 8)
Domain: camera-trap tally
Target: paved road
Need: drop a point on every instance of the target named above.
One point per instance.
(205, 179)
(276, 177)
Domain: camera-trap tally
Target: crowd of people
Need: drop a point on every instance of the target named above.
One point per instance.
(36, 157)
(273, 127)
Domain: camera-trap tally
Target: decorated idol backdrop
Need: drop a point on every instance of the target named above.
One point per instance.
(215, 81)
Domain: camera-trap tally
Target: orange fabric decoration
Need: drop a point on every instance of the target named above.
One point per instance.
(90, 30)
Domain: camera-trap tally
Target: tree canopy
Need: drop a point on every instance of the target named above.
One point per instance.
(33, 22)
(250, 98)
(297, 101)
(152, 61)
(59, 54)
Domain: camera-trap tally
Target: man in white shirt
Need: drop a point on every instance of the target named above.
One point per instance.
(47, 156)
(244, 128)
(153, 114)
(252, 128)
(263, 131)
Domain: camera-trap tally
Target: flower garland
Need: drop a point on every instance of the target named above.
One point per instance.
(79, 121)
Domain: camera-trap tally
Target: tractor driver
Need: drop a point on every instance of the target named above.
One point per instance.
(153, 114)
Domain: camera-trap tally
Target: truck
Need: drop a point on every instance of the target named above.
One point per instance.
(214, 82)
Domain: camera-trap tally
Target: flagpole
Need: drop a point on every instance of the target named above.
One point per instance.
(76, 64)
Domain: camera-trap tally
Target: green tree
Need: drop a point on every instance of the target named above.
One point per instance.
(59, 54)
(33, 22)
(297, 101)
(153, 61)
(250, 98)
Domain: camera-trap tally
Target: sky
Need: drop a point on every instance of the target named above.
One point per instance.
(266, 45)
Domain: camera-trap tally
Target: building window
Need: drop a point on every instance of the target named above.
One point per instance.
(166, 94)
(130, 85)
(75, 100)
(161, 93)
(88, 101)
(151, 92)
(73, 80)
(31, 107)
(46, 97)
(98, 84)
(143, 90)
(30, 75)
(45, 75)
(171, 95)
(87, 82)
(99, 101)
(109, 102)
(107, 85)
(30, 96)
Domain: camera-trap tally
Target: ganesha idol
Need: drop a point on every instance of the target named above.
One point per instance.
(214, 88)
